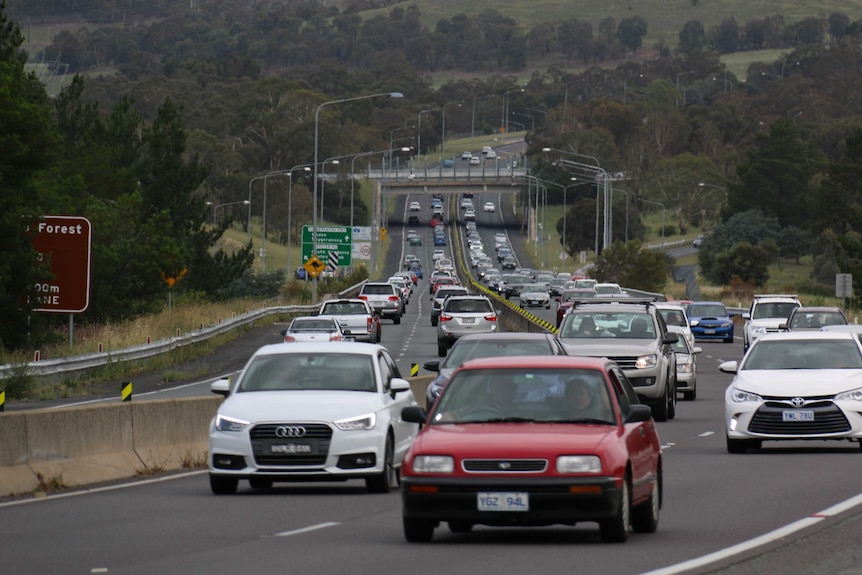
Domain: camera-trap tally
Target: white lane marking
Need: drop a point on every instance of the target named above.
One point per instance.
(706, 434)
(106, 488)
(307, 529)
(775, 535)
(99, 570)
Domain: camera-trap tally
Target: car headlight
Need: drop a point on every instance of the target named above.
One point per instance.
(433, 464)
(726, 324)
(361, 423)
(758, 331)
(854, 395)
(695, 322)
(224, 423)
(646, 361)
(579, 464)
(740, 396)
(685, 368)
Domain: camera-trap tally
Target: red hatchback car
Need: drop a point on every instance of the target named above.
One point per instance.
(533, 441)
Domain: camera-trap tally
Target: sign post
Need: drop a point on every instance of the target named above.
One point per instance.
(844, 287)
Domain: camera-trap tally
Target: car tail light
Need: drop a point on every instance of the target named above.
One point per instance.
(335, 338)
(363, 297)
(369, 325)
(491, 317)
(444, 317)
(289, 339)
(394, 298)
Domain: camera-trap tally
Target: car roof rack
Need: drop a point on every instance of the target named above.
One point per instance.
(636, 301)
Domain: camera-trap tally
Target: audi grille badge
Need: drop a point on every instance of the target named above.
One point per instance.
(290, 431)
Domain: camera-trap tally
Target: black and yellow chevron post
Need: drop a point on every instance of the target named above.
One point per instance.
(2, 401)
(414, 369)
(126, 391)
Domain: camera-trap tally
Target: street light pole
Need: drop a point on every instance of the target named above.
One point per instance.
(305, 168)
(334, 162)
(316, 147)
(505, 121)
(443, 136)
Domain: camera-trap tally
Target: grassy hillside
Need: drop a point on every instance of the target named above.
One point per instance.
(665, 18)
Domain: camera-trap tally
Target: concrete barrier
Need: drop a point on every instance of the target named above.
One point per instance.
(49, 449)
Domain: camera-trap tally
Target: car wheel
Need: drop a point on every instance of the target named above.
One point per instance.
(441, 350)
(659, 409)
(616, 530)
(671, 399)
(383, 482)
(418, 530)
(645, 515)
(460, 526)
(221, 485)
(260, 483)
(689, 395)
(397, 319)
(433, 321)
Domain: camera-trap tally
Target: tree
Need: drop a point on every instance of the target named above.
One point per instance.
(747, 262)
(692, 37)
(750, 227)
(634, 265)
(793, 243)
(631, 32)
(28, 141)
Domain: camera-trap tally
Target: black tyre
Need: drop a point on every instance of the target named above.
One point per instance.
(689, 395)
(441, 350)
(616, 530)
(418, 530)
(433, 321)
(645, 516)
(260, 483)
(221, 485)
(397, 319)
(671, 399)
(660, 408)
(383, 482)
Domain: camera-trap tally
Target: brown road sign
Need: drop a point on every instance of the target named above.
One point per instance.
(65, 242)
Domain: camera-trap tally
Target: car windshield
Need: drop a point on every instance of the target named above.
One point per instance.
(673, 317)
(302, 372)
(313, 325)
(525, 395)
(625, 325)
(468, 306)
(535, 288)
(707, 310)
(816, 319)
(467, 349)
(773, 310)
(803, 354)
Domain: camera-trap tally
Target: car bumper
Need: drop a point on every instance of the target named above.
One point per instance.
(831, 420)
(712, 332)
(346, 455)
(549, 500)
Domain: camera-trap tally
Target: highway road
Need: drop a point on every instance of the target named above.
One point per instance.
(772, 511)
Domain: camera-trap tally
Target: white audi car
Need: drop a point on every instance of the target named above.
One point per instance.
(311, 412)
(795, 386)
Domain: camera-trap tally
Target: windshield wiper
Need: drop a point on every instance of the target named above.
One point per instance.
(503, 420)
(583, 420)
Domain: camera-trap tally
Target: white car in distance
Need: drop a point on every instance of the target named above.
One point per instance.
(489, 207)
(315, 411)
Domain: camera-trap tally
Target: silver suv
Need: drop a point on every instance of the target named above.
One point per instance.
(384, 298)
(462, 315)
(632, 333)
(440, 296)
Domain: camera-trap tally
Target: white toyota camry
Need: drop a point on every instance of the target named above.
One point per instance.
(311, 412)
(795, 386)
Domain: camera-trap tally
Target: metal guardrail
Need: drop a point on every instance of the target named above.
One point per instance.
(72, 364)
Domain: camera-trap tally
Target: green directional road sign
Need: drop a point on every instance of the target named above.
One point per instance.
(329, 238)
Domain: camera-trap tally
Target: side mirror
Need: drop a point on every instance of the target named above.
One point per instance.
(431, 365)
(670, 338)
(729, 366)
(398, 385)
(637, 413)
(414, 414)
(220, 387)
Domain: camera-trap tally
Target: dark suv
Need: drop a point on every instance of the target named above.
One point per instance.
(632, 333)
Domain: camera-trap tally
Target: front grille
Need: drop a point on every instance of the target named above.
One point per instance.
(504, 465)
(317, 435)
(625, 362)
(828, 419)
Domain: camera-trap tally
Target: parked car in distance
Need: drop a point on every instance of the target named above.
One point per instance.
(314, 411)
(313, 328)
(478, 345)
(466, 155)
(794, 386)
(710, 320)
(533, 440)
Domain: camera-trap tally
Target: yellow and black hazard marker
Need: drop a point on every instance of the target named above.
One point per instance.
(414, 369)
(126, 391)
(2, 400)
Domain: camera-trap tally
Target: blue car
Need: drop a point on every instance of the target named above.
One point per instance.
(439, 240)
(710, 320)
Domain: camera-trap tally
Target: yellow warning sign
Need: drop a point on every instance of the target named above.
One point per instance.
(314, 266)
